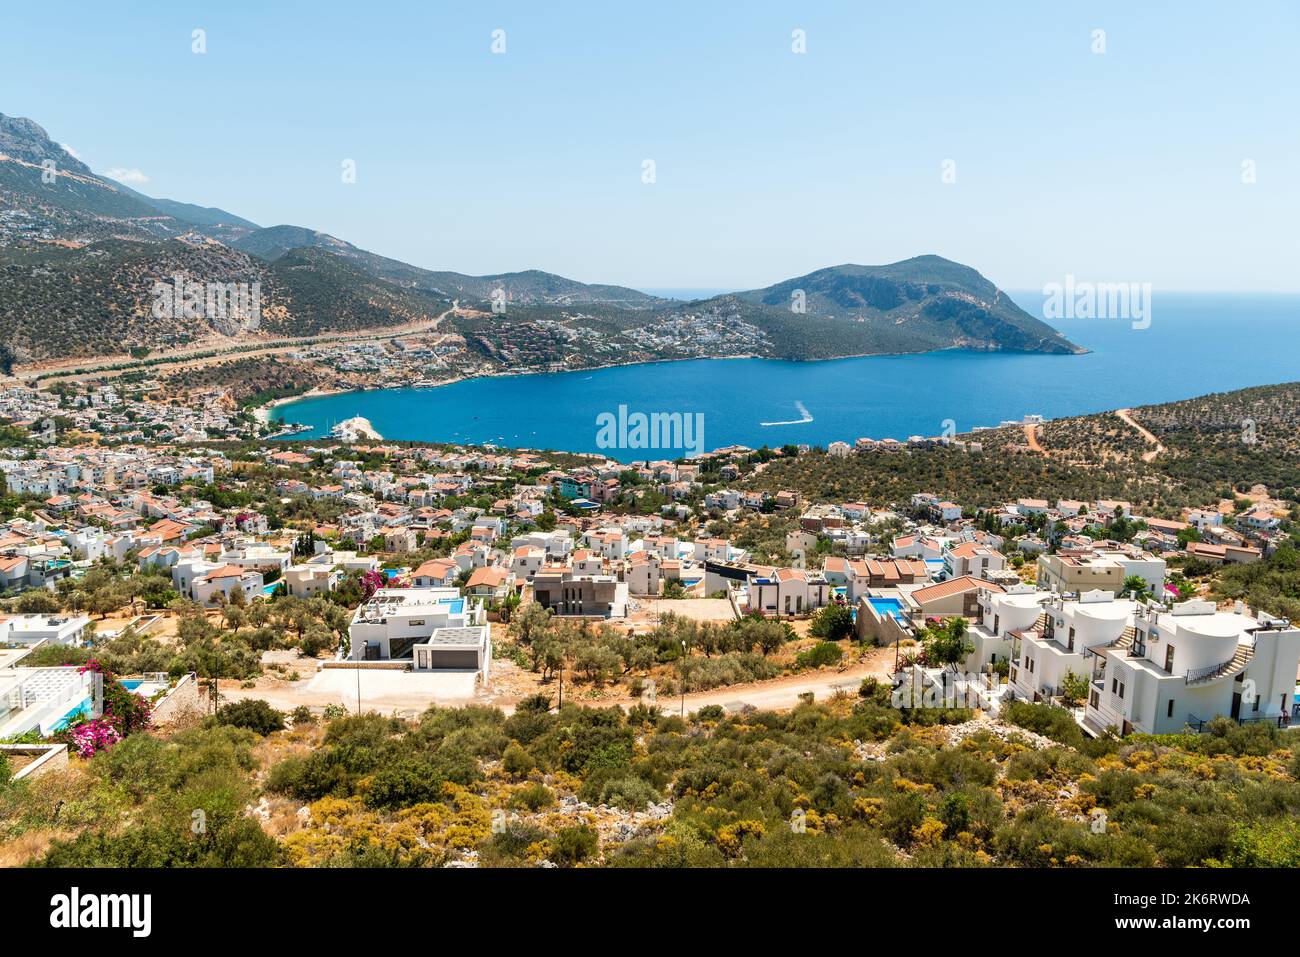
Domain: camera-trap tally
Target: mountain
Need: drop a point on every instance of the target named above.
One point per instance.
(68, 202)
(529, 287)
(208, 220)
(932, 301)
(81, 253)
(99, 299)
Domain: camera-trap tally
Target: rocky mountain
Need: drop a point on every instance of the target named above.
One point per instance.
(934, 302)
(103, 298)
(526, 288)
(80, 254)
(48, 195)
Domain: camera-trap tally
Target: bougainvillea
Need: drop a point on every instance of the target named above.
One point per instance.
(124, 712)
(90, 737)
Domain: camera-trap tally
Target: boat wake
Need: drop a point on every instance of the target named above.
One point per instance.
(807, 417)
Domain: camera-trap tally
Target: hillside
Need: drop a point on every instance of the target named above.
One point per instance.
(928, 301)
(78, 206)
(89, 302)
(1206, 456)
(98, 299)
(525, 288)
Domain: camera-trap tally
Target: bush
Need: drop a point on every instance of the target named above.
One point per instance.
(701, 674)
(534, 797)
(820, 655)
(575, 844)
(833, 623)
(252, 713)
(629, 793)
(1048, 720)
(517, 761)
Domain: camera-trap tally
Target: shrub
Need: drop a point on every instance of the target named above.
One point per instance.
(820, 655)
(1048, 720)
(517, 761)
(701, 674)
(575, 844)
(629, 793)
(833, 622)
(534, 797)
(252, 713)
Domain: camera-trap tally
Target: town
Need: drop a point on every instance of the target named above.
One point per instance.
(135, 532)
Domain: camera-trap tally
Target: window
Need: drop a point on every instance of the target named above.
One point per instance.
(1169, 712)
(417, 622)
(1121, 691)
(1093, 699)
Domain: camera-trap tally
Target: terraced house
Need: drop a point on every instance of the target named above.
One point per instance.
(1183, 665)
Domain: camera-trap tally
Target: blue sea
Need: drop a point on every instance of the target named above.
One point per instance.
(1196, 343)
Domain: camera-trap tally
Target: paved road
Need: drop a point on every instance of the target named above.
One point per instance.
(199, 355)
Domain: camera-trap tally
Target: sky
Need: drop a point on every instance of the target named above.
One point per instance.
(1117, 166)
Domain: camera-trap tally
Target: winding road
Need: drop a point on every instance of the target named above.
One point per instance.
(1126, 416)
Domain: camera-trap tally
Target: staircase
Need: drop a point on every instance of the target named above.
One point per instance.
(1235, 666)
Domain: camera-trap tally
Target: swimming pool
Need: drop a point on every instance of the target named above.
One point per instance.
(888, 606)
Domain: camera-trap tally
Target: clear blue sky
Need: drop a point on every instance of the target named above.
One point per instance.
(1124, 166)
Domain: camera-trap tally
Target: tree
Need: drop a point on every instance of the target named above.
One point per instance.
(947, 645)
(1074, 688)
(530, 622)
(833, 622)
(1136, 587)
(254, 714)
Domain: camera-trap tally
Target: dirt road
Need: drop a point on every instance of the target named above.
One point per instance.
(384, 692)
(1126, 416)
(780, 694)
(1031, 436)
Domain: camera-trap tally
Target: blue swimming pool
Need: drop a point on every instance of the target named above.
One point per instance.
(888, 606)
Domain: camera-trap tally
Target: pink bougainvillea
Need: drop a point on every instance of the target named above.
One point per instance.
(91, 737)
(124, 712)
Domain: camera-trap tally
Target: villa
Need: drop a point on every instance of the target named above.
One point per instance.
(393, 620)
(1180, 666)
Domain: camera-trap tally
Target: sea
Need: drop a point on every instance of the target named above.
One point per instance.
(1195, 343)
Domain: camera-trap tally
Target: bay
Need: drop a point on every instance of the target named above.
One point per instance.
(1196, 344)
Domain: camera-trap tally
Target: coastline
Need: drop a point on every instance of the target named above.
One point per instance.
(262, 412)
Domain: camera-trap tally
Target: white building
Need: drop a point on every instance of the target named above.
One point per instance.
(1001, 615)
(310, 580)
(56, 629)
(1185, 665)
(1059, 642)
(467, 648)
(394, 620)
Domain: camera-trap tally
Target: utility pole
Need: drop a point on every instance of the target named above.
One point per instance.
(683, 670)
